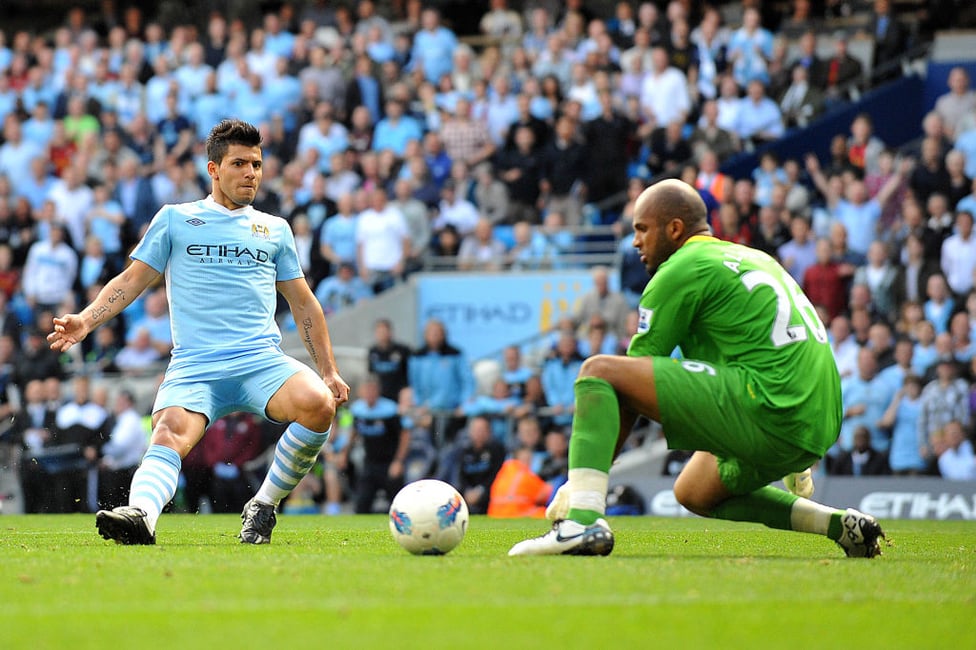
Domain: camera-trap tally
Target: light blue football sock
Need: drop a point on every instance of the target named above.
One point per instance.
(294, 456)
(154, 483)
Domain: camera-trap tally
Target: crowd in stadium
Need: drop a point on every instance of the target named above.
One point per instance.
(393, 144)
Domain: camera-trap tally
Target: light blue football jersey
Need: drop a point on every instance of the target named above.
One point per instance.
(220, 267)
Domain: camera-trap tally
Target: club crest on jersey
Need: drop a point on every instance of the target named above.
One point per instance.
(260, 231)
(644, 319)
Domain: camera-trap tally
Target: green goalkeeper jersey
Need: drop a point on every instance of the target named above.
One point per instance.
(733, 306)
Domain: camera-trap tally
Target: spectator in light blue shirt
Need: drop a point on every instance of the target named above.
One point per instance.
(966, 142)
(378, 49)
(130, 97)
(156, 45)
(539, 106)
(531, 250)
(94, 266)
(104, 87)
(252, 104)
(284, 94)
(558, 377)
(39, 127)
(497, 407)
(768, 174)
(105, 219)
(800, 252)
(433, 46)
(861, 222)
(439, 373)
(501, 110)
(192, 75)
(556, 60)
(902, 417)
(39, 88)
(338, 238)
(158, 88)
(342, 290)
(210, 107)
(16, 153)
(394, 131)
(850, 204)
(750, 47)
(231, 72)
(759, 118)
(865, 398)
(36, 185)
(539, 28)
(925, 353)
(277, 39)
(323, 134)
(560, 241)
(939, 304)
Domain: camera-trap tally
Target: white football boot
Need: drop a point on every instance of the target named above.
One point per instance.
(568, 537)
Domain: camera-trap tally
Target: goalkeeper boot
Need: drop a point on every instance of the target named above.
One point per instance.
(860, 535)
(125, 525)
(258, 520)
(568, 537)
(800, 483)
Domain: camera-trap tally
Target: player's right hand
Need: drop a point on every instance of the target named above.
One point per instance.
(68, 330)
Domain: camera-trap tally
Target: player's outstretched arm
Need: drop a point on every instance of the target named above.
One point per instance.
(110, 301)
(308, 315)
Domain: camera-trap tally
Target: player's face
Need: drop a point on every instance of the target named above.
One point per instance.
(652, 241)
(238, 176)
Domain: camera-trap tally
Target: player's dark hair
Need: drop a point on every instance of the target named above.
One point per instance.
(228, 132)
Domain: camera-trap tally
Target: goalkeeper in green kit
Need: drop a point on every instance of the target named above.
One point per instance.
(756, 394)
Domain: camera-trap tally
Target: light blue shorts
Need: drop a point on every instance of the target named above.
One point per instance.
(243, 383)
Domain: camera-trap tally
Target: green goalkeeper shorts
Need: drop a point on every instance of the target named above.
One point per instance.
(705, 407)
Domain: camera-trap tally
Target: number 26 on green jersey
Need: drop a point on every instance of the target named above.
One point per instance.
(789, 296)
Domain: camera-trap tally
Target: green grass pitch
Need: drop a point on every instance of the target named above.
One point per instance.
(342, 582)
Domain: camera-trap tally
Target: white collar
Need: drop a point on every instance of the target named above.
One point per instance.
(212, 204)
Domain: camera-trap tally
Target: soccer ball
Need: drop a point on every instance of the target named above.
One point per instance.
(428, 517)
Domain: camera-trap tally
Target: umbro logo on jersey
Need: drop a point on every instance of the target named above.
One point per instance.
(196, 221)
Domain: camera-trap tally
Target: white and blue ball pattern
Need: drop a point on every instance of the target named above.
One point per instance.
(428, 517)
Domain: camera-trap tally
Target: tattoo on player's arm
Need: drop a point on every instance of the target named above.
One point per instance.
(118, 295)
(98, 312)
(307, 337)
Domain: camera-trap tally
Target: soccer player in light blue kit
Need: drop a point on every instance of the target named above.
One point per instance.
(222, 261)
